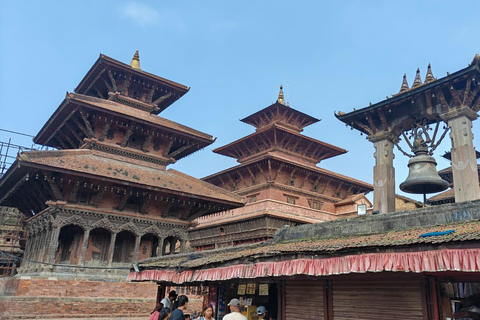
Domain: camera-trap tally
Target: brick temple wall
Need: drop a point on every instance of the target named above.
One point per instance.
(44, 298)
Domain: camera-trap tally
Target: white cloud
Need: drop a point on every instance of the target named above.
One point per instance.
(140, 14)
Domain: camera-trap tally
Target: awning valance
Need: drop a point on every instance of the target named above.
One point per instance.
(466, 260)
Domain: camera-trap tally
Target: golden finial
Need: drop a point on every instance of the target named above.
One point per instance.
(429, 77)
(135, 64)
(418, 81)
(476, 59)
(404, 86)
(281, 99)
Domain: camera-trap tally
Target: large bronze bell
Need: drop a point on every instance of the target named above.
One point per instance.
(423, 176)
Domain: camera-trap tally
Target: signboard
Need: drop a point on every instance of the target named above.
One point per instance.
(251, 287)
(241, 289)
(263, 289)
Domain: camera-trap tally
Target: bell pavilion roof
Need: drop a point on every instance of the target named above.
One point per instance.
(425, 101)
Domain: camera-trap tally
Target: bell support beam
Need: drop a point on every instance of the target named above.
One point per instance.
(464, 164)
(383, 172)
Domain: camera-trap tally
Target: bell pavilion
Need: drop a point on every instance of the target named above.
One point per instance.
(453, 100)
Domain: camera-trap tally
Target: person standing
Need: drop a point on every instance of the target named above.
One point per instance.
(178, 314)
(207, 313)
(234, 314)
(156, 312)
(262, 313)
(168, 302)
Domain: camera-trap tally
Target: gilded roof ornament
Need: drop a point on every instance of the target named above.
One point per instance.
(404, 86)
(281, 99)
(135, 64)
(418, 81)
(429, 77)
(476, 59)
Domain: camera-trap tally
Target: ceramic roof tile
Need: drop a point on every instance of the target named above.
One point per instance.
(464, 231)
(104, 165)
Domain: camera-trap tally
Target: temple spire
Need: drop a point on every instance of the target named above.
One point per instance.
(429, 77)
(404, 86)
(281, 99)
(418, 81)
(135, 64)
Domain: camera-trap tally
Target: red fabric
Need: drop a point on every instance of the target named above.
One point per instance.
(466, 260)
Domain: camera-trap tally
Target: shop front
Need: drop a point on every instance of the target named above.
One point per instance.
(397, 274)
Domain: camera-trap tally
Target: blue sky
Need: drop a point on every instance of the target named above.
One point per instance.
(330, 56)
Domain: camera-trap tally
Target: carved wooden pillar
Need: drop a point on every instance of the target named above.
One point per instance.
(86, 235)
(137, 248)
(111, 248)
(182, 245)
(42, 253)
(53, 244)
(464, 163)
(28, 251)
(162, 246)
(383, 173)
(38, 246)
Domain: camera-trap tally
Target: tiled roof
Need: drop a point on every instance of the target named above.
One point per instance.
(449, 194)
(104, 165)
(351, 199)
(464, 231)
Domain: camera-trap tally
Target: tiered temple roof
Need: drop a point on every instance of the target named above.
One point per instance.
(278, 130)
(110, 139)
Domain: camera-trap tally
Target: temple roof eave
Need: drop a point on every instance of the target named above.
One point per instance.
(309, 119)
(316, 170)
(226, 149)
(73, 100)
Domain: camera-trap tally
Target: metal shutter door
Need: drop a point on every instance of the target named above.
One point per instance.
(363, 300)
(304, 300)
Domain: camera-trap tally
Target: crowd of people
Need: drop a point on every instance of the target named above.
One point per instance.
(173, 307)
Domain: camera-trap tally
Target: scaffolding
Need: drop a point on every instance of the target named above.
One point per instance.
(12, 221)
(10, 150)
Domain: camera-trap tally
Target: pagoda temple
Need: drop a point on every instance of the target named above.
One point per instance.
(279, 178)
(104, 198)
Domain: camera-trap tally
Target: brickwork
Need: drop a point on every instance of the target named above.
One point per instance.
(46, 299)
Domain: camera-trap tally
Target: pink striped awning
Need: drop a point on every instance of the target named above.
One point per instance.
(466, 260)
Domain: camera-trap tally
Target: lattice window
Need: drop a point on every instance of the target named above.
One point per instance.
(252, 198)
(315, 204)
(291, 200)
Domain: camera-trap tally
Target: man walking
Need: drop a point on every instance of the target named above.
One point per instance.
(178, 314)
(234, 314)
